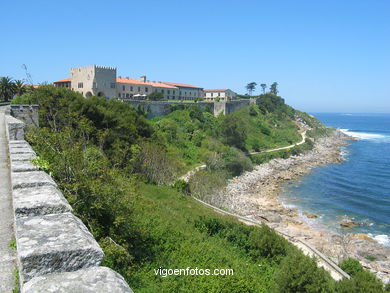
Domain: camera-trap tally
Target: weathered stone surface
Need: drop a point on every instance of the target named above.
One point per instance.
(21, 150)
(54, 243)
(22, 157)
(31, 179)
(91, 280)
(22, 166)
(42, 200)
(15, 128)
(18, 142)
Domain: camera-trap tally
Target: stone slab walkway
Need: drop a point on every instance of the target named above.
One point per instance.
(7, 255)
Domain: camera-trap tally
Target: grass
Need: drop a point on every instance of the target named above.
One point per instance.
(17, 281)
(169, 218)
(12, 243)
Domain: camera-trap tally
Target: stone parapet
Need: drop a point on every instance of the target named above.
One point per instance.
(54, 243)
(91, 280)
(55, 250)
(38, 201)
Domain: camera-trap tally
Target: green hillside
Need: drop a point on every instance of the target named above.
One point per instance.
(117, 170)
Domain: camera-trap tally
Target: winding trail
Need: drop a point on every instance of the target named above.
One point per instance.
(303, 134)
(190, 173)
(7, 254)
(322, 261)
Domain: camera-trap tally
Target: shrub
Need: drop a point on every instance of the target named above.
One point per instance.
(264, 242)
(362, 281)
(204, 183)
(182, 186)
(236, 162)
(299, 273)
(233, 131)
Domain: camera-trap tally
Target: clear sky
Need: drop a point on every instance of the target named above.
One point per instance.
(327, 56)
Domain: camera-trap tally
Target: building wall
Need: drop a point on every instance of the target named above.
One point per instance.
(186, 93)
(94, 81)
(226, 95)
(158, 108)
(128, 90)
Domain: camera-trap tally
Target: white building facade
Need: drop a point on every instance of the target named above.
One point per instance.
(102, 81)
(219, 94)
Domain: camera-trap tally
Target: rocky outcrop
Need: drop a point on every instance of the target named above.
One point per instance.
(55, 250)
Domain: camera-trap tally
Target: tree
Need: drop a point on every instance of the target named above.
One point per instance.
(251, 87)
(155, 96)
(7, 88)
(20, 87)
(263, 86)
(274, 88)
(233, 131)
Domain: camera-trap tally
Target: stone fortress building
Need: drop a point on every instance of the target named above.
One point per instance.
(103, 81)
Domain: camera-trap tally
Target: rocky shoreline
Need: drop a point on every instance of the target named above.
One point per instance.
(254, 195)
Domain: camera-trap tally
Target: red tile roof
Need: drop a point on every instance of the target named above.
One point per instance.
(215, 90)
(63, 80)
(181, 85)
(139, 82)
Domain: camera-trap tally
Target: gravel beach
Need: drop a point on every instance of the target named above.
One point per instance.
(254, 195)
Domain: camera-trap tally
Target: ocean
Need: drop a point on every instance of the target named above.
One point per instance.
(359, 187)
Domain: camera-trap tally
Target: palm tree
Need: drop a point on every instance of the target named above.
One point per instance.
(251, 87)
(7, 88)
(263, 86)
(20, 87)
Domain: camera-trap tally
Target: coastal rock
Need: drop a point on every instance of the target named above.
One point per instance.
(348, 225)
(310, 216)
(91, 280)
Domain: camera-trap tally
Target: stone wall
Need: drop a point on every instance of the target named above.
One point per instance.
(27, 113)
(161, 108)
(55, 250)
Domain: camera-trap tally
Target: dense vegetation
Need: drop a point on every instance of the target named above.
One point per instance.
(116, 170)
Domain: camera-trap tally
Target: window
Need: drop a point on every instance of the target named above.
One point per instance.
(139, 89)
(169, 92)
(212, 94)
(131, 88)
(80, 85)
(124, 88)
(162, 91)
(113, 85)
(146, 89)
(119, 95)
(127, 95)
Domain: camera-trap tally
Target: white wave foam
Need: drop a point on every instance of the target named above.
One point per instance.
(362, 135)
(381, 239)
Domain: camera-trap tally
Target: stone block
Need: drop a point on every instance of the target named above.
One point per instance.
(91, 280)
(18, 144)
(37, 201)
(15, 128)
(53, 244)
(31, 179)
(21, 150)
(22, 166)
(22, 157)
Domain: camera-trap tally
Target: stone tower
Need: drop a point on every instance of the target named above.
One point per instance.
(94, 81)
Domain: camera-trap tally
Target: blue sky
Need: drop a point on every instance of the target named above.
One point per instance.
(327, 56)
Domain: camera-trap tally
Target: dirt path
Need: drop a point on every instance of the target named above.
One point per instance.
(7, 255)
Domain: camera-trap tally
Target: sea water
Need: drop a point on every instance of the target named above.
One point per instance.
(359, 187)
